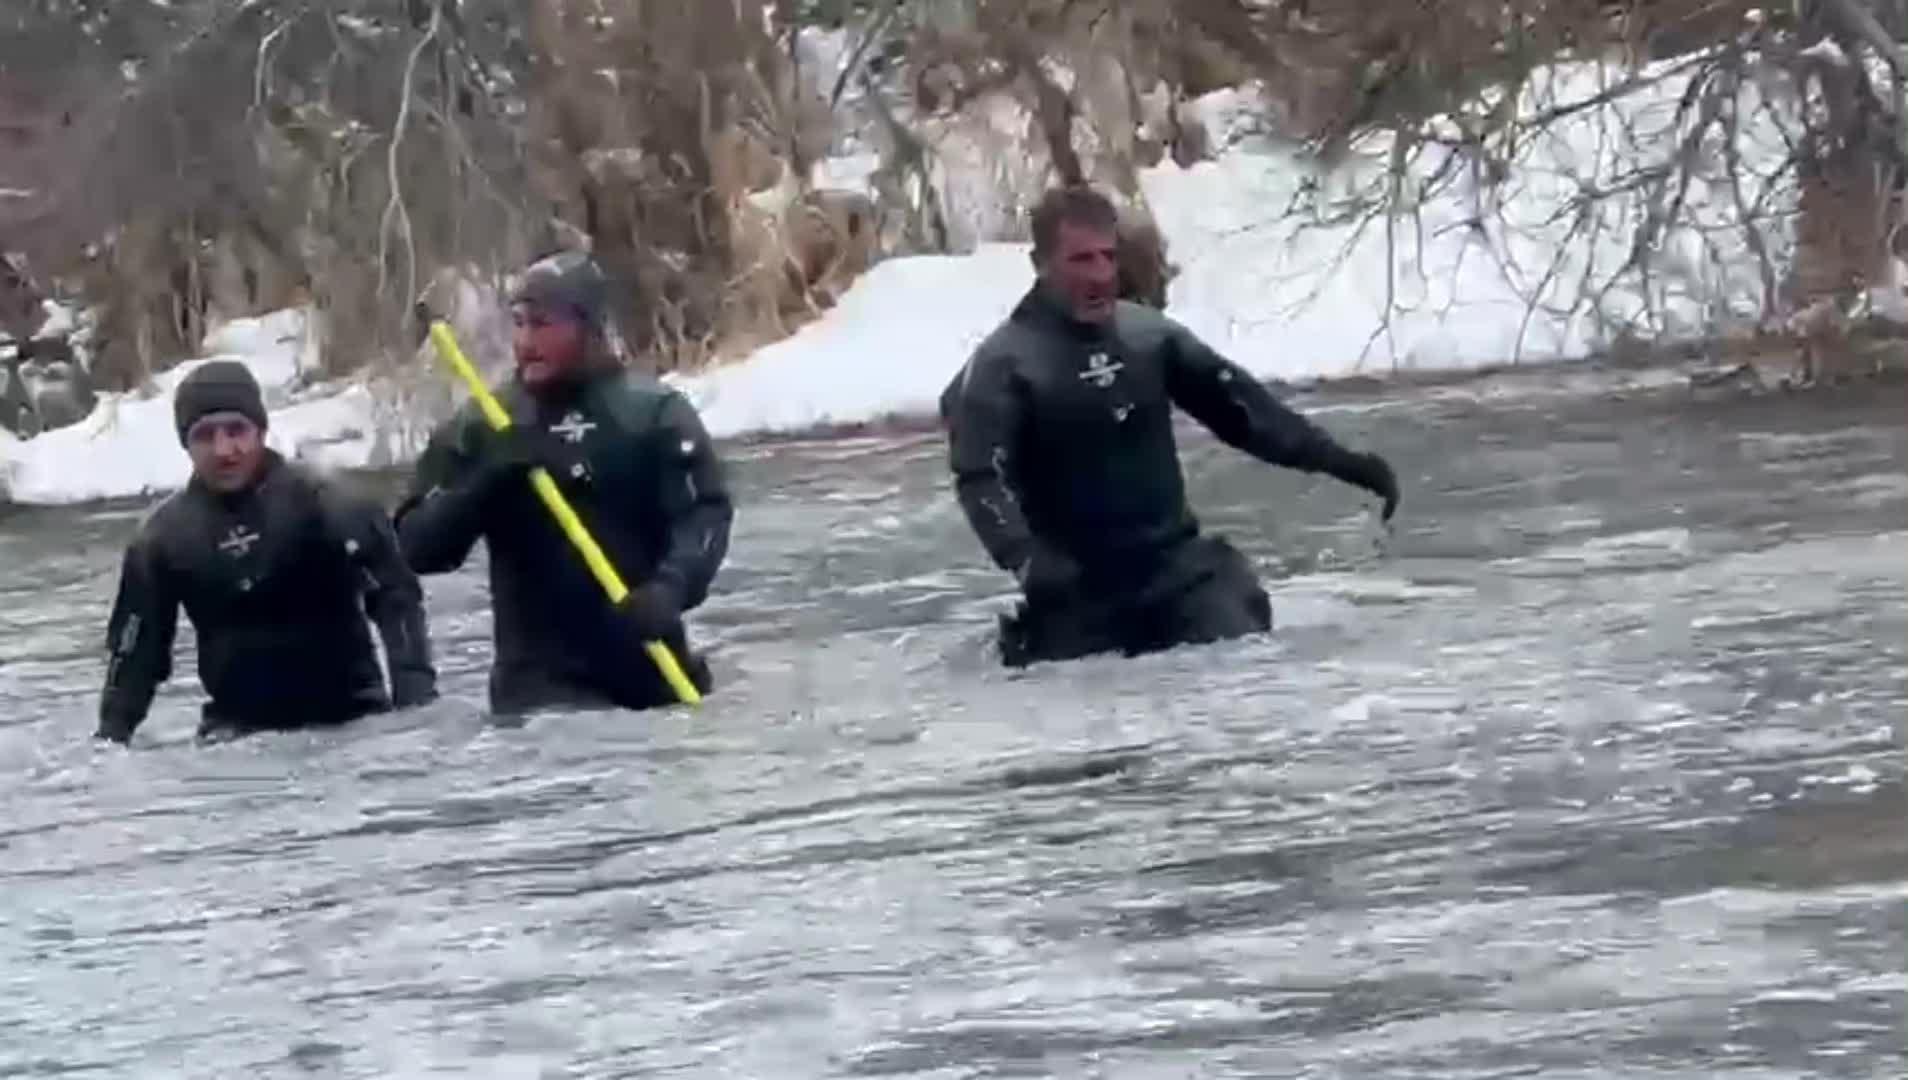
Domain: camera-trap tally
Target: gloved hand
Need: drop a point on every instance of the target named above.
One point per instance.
(519, 448)
(1047, 574)
(116, 723)
(410, 689)
(1371, 472)
(652, 611)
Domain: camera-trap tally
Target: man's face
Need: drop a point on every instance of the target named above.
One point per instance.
(226, 449)
(1083, 269)
(548, 344)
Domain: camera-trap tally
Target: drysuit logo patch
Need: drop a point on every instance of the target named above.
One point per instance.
(573, 427)
(1101, 370)
(238, 543)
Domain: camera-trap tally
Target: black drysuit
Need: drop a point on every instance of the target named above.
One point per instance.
(639, 469)
(278, 581)
(1060, 437)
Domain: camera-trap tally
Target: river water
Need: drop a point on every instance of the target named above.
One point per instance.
(1592, 769)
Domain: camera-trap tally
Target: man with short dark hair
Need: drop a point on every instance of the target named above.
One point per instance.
(633, 459)
(277, 569)
(1060, 439)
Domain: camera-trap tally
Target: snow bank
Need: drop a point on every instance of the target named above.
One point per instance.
(127, 446)
(1282, 270)
(889, 346)
(1481, 274)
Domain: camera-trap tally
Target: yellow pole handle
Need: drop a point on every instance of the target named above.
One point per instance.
(560, 508)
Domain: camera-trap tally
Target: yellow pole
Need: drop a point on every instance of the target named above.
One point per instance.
(559, 506)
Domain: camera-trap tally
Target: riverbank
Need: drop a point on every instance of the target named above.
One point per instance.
(1279, 265)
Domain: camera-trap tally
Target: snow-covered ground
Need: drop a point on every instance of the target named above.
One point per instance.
(128, 445)
(1305, 294)
(1290, 295)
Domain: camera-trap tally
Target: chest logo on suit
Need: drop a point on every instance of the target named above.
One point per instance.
(238, 542)
(573, 427)
(1101, 370)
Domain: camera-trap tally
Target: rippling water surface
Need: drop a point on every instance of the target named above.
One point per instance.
(1593, 770)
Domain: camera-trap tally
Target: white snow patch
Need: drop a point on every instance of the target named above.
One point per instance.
(846, 172)
(61, 319)
(128, 446)
(1232, 115)
(890, 346)
(1481, 274)
(1530, 280)
(1299, 296)
(1827, 51)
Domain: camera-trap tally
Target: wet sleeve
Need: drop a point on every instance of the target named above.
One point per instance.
(982, 410)
(1239, 409)
(694, 498)
(441, 514)
(139, 638)
(394, 602)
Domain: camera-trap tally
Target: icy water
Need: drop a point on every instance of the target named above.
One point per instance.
(1594, 771)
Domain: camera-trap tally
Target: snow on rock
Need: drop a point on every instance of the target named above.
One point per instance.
(890, 346)
(61, 319)
(846, 172)
(1232, 115)
(277, 347)
(128, 446)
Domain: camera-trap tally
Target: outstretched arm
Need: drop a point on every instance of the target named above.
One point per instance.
(695, 500)
(139, 637)
(982, 410)
(1240, 410)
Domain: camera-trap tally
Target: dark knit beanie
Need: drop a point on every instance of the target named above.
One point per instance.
(217, 386)
(569, 281)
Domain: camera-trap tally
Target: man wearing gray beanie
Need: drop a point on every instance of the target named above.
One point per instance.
(629, 453)
(278, 570)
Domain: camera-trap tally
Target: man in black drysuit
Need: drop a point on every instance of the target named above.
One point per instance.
(632, 457)
(277, 569)
(1061, 442)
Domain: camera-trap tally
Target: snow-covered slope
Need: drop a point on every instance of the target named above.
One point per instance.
(1326, 293)
(128, 446)
(1289, 296)
(888, 347)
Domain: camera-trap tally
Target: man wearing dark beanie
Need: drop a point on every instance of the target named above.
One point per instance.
(632, 457)
(218, 386)
(278, 570)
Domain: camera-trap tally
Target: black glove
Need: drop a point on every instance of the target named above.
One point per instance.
(517, 449)
(410, 689)
(652, 612)
(1047, 575)
(1371, 472)
(116, 723)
